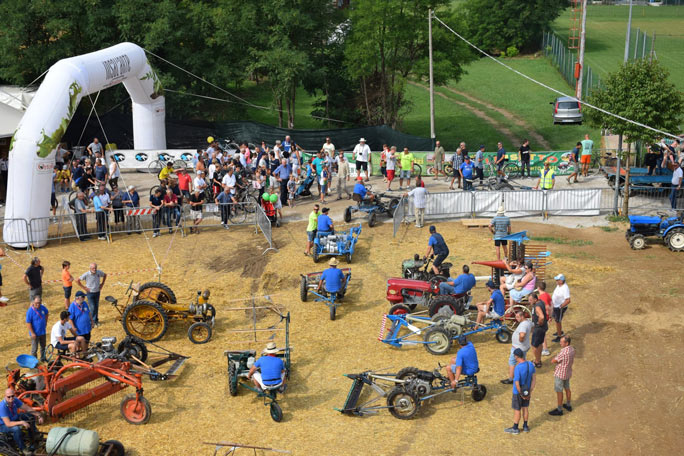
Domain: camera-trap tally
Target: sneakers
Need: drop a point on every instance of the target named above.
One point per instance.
(507, 381)
(545, 352)
(226, 226)
(567, 407)
(556, 412)
(512, 430)
(526, 428)
(102, 238)
(556, 339)
(4, 299)
(155, 235)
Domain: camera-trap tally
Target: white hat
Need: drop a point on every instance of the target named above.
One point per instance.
(131, 187)
(501, 211)
(271, 348)
(362, 140)
(559, 277)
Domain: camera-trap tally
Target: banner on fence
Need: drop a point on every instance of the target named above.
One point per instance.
(141, 159)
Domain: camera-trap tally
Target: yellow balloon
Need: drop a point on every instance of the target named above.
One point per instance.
(210, 139)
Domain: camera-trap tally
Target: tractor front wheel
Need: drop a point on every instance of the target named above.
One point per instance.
(479, 392)
(637, 242)
(503, 336)
(136, 411)
(199, 332)
(276, 412)
(675, 239)
(145, 320)
(347, 215)
(399, 309)
(232, 379)
(303, 289)
(372, 219)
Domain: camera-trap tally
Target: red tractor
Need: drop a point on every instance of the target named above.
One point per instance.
(406, 294)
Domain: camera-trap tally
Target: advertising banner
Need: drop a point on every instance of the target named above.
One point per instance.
(130, 159)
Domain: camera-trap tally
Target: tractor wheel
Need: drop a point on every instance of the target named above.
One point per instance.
(438, 340)
(199, 332)
(347, 215)
(503, 336)
(276, 412)
(479, 392)
(509, 316)
(133, 346)
(332, 312)
(402, 404)
(232, 379)
(165, 294)
(409, 373)
(439, 301)
(348, 256)
(315, 254)
(675, 239)
(637, 242)
(136, 411)
(113, 448)
(372, 219)
(393, 204)
(399, 309)
(303, 289)
(628, 234)
(145, 320)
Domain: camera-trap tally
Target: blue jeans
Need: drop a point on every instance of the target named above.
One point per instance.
(445, 288)
(16, 430)
(673, 197)
(172, 212)
(94, 303)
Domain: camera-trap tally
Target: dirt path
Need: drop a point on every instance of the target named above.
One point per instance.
(479, 113)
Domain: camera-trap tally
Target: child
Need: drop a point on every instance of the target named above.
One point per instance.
(3, 299)
(324, 182)
(546, 299)
(278, 205)
(291, 187)
(67, 281)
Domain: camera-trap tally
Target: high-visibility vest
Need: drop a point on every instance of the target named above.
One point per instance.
(546, 179)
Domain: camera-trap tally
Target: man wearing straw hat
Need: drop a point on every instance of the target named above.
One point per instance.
(334, 278)
(272, 368)
(500, 226)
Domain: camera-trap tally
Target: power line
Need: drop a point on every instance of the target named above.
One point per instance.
(634, 122)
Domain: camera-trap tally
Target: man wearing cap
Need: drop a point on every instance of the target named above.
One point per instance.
(464, 363)
(560, 300)
(466, 171)
(524, 381)
(333, 277)
(360, 192)
(677, 176)
(80, 317)
(546, 178)
(439, 158)
(460, 285)
(36, 321)
(500, 226)
(199, 182)
(479, 163)
(131, 199)
(14, 415)
(324, 223)
(437, 246)
(361, 154)
(92, 287)
(496, 300)
(271, 368)
(311, 229)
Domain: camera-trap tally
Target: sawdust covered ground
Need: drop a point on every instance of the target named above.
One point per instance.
(625, 319)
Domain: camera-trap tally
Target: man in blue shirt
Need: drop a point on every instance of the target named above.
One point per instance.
(524, 380)
(282, 173)
(334, 278)
(272, 368)
(325, 223)
(465, 362)
(131, 199)
(14, 415)
(466, 171)
(156, 201)
(361, 193)
(460, 285)
(318, 163)
(437, 246)
(80, 317)
(496, 299)
(36, 320)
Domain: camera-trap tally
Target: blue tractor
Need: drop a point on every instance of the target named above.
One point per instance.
(670, 229)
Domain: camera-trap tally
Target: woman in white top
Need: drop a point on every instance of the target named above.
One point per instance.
(114, 173)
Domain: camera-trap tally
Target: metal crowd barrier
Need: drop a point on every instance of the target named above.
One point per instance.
(264, 224)
(399, 215)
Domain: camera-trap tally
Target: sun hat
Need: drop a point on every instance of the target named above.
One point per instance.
(131, 187)
(333, 262)
(362, 140)
(271, 348)
(560, 277)
(501, 211)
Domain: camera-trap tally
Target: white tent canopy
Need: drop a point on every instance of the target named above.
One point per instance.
(13, 103)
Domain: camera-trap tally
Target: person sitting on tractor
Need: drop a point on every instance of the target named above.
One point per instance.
(164, 173)
(58, 337)
(14, 415)
(460, 285)
(325, 223)
(496, 299)
(524, 286)
(515, 272)
(272, 368)
(361, 193)
(333, 277)
(437, 246)
(464, 363)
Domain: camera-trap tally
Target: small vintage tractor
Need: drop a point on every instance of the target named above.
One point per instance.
(309, 284)
(381, 204)
(336, 244)
(669, 229)
(151, 306)
(420, 269)
(406, 295)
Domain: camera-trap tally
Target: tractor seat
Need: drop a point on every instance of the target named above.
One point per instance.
(269, 387)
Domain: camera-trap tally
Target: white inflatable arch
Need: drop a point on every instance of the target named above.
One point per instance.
(31, 156)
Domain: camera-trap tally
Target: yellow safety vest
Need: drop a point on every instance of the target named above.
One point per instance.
(547, 179)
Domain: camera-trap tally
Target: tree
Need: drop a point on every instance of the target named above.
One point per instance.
(496, 25)
(641, 91)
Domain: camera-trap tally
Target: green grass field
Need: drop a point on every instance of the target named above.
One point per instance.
(607, 27)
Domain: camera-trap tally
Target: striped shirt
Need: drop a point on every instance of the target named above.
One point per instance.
(565, 359)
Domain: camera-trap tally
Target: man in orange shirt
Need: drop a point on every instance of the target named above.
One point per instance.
(67, 282)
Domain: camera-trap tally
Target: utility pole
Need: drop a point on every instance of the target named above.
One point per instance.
(580, 62)
(629, 30)
(432, 84)
(619, 151)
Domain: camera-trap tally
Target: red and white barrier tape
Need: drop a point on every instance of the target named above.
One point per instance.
(382, 328)
(147, 211)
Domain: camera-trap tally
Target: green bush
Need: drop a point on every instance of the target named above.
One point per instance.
(512, 51)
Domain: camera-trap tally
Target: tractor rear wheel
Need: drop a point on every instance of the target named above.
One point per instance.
(347, 215)
(637, 242)
(133, 347)
(303, 289)
(439, 301)
(136, 411)
(164, 294)
(232, 379)
(372, 219)
(479, 392)
(145, 320)
(438, 340)
(113, 448)
(675, 239)
(199, 332)
(315, 253)
(333, 309)
(402, 404)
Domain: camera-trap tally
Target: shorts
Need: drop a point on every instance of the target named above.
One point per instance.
(559, 384)
(86, 337)
(498, 242)
(311, 235)
(361, 165)
(511, 358)
(493, 315)
(390, 174)
(196, 215)
(67, 292)
(517, 403)
(558, 313)
(439, 259)
(518, 296)
(585, 159)
(438, 165)
(405, 174)
(538, 334)
(324, 188)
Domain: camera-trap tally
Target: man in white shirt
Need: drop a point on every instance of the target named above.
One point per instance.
(229, 180)
(560, 300)
(390, 165)
(520, 339)
(328, 147)
(199, 182)
(677, 175)
(277, 149)
(419, 195)
(362, 154)
(58, 337)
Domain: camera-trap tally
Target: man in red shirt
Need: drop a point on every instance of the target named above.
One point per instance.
(562, 374)
(185, 182)
(171, 208)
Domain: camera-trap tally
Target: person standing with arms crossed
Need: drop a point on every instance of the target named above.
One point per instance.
(587, 146)
(500, 226)
(406, 162)
(362, 154)
(342, 176)
(33, 277)
(439, 159)
(92, 287)
(561, 376)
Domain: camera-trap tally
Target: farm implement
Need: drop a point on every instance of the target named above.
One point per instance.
(340, 244)
(63, 441)
(309, 284)
(404, 392)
